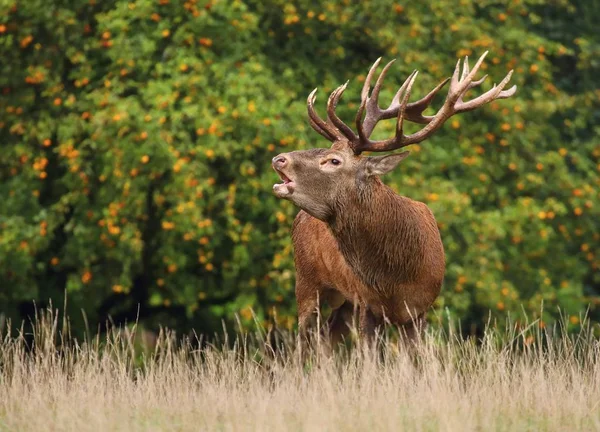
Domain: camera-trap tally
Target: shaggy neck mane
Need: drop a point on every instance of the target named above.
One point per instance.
(380, 234)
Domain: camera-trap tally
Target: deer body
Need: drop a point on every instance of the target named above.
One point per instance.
(383, 251)
(356, 242)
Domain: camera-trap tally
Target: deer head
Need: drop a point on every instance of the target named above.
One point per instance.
(318, 180)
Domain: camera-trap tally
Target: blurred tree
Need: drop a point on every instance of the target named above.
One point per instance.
(138, 136)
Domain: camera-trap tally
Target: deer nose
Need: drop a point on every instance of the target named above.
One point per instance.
(280, 161)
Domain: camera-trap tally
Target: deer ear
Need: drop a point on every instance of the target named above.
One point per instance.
(379, 165)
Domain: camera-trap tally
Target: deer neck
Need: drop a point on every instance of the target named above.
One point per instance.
(379, 233)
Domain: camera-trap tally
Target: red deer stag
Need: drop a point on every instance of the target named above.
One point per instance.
(356, 241)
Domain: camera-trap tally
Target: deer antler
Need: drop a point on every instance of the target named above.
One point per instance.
(336, 131)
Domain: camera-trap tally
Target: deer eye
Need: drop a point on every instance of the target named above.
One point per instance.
(335, 161)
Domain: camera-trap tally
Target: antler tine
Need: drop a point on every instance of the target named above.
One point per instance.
(402, 109)
(454, 80)
(318, 129)
(496, 92)
(376, 114)
(395, 142)
(478, 82)
(332, 102)
(414, 110)
(373, 101)
(317, 123)
(364, 96)
(392, 110)
(467, 80)
(471, 84)
(459, 86)
(465, 71)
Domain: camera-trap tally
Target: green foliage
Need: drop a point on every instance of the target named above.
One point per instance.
(137, 138)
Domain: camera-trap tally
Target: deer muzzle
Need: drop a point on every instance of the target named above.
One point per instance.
(286, 187)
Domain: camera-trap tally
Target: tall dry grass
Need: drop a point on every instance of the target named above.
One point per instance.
(514, 381)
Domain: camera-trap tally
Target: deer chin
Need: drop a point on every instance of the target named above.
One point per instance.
(284, 190)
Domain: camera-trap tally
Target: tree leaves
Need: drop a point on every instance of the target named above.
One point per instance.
(138, 138)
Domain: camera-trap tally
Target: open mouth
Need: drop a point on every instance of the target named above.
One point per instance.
(283, 177)
(286, 187)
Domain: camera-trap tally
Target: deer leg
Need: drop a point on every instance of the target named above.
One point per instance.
(367, 324)
(306, 320)
(307, 315)
(339, 323)
(308, 298)
(412, 332)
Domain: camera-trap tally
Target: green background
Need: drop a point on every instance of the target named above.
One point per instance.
(136, 140)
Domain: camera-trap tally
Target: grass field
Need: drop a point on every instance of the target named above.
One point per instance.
(511, 381)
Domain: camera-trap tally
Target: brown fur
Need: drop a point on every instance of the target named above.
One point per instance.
(369, 246)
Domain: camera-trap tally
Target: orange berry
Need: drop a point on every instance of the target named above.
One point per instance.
(86, 277)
